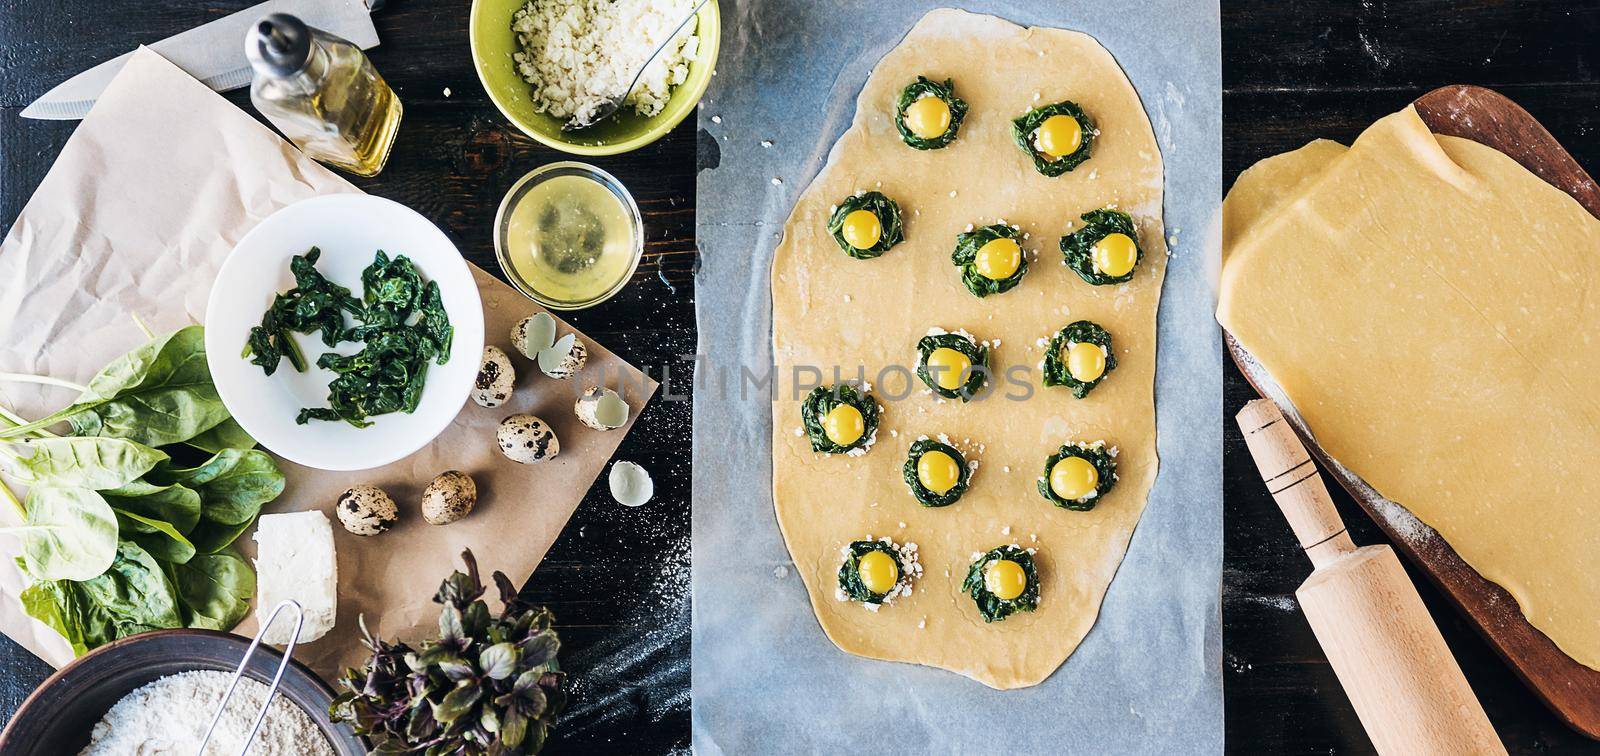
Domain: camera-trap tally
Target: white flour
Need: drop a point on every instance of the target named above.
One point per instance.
(170, 716)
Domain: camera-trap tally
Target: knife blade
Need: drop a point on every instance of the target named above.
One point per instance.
(212, 52)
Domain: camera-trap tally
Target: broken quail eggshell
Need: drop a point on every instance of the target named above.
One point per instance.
(366, 510)
(534, 334)
(602, 409)
(565, 358)
(496, 378)
(630, 484)
(527, 440)
(449, 498)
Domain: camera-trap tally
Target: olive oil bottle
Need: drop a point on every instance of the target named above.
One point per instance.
(322, 92)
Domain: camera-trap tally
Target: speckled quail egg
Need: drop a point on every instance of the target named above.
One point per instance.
(495, 380)
(534, 334)
(366, 510)
(527, 440)
(449, 498)
(565, 358)
(602, 409)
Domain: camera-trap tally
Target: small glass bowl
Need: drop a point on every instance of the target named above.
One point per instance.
(519, 190)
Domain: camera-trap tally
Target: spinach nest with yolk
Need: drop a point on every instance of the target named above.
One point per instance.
(1056, 372)
(822, 400)
(891, 229)
(1077, 248)
(850, 582)
(992, 607)
(1105, 468)
(968, 347)
(923, 88)
(965, 257)
(912, 473)
(1024, 127)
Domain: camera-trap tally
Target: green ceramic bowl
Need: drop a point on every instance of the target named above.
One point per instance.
(493, 42)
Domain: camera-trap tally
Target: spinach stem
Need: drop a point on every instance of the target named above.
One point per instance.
(41, 379)
(5, 491)
(138, 321)
(12, 419)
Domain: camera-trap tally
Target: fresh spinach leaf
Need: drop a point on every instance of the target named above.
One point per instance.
(160, 393)
(135, 592)
(233, 484)
(1024, 126)
(94, 463)
(176, 504)
(215, 590)
(55, 603)
(227, 434)
(158, 537)
(68, 533)
(210, 537)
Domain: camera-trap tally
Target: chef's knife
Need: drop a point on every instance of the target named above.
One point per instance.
(212, 53)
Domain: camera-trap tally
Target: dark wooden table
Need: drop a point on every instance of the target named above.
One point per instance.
(1301, 69)
(617, 578)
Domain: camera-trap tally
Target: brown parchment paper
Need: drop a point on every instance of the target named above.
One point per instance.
(145, 201)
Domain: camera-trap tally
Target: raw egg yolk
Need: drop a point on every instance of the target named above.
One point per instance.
(1059, 135)
(1005, 579)
(1073, 478)
(878, 571)
(1086, 361)
(862, 229)
(844, 425)
(928, 118)
(948, 368)
(1115, 255)
(937, 471)
(998, 259)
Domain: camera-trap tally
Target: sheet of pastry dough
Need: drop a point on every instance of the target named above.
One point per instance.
(829, 309)
(1433, 310)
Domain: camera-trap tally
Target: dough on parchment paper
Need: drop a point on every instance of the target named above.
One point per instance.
(1432, 308)
(830, 309)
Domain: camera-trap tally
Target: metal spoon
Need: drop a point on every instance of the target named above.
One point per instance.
(614, 104)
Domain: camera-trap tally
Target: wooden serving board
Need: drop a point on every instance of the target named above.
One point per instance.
(1570, 689)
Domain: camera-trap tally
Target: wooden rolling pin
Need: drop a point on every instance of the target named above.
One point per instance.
(1386, 650)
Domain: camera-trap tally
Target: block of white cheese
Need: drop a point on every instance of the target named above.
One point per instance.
(295, 560)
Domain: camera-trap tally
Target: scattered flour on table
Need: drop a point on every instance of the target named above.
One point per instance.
(171, 714)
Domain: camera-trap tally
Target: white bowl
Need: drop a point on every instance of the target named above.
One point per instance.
(349, 229)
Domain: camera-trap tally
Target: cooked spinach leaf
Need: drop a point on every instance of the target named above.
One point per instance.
(850, 571)
(1078, 247)
(1055, 371)
(977, 353)
(965, 257)
(992, 607)
(919, 89)
(822, 400)
(1105, 467)
(891, 230)
(923, 494)
(315, 304)
(1024, 127)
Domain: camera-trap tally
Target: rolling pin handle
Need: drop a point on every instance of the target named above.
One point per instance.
(1294, 482)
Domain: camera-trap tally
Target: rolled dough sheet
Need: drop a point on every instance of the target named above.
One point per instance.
(1430, 307)
(829, 309)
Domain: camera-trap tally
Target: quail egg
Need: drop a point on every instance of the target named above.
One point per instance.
(527, 440)
(495, 379)
(534, 334)
(602, 409)
(366, 510)
(565, 359)
(449, 498)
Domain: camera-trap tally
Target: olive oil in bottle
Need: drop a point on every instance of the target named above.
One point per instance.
(322, 93)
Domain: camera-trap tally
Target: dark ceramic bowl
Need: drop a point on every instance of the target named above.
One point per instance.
(60, 715)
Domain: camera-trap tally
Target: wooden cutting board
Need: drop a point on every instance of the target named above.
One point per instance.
(1570, 689)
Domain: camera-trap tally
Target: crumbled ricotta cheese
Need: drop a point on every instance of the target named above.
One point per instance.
(579, 54)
